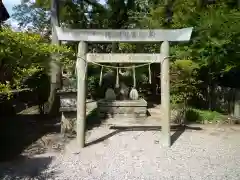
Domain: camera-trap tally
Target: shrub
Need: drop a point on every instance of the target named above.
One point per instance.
(24, 54)
(183, 81)
(200, 116)
(40, 85)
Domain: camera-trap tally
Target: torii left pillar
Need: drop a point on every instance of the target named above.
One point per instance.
(81, 92)
(165, 95)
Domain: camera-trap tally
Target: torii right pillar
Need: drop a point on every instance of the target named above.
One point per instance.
(165, 95)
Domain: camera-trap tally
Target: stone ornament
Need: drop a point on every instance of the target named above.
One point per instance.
(117, 79)
(133, 94)
(110, 94)
(68, 102)
(101, 76)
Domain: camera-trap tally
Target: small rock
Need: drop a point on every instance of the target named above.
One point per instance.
(110, 94)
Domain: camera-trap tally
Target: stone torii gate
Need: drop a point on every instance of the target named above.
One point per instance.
(132, 35)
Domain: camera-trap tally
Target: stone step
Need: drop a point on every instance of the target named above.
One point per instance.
(132, 122)
(155, 112)
(154, 109)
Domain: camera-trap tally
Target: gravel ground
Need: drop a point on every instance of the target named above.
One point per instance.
(209, 154)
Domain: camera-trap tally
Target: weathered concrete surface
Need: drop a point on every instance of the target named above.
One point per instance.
(124, 109)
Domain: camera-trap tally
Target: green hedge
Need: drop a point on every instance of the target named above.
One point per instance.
(200, 116)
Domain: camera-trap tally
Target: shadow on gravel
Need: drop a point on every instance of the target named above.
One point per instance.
(19, 132)
(27, 168)
(92, 120)
(178, 132)
(179, 129)
(103, 138)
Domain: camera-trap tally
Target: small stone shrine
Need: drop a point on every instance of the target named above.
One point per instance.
(121, 102)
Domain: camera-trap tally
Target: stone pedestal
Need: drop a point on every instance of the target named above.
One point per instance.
(68, 100)
(68, 122)
(68, 108)
(131, 109)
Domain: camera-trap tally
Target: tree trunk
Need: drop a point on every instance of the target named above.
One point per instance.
(55, 75)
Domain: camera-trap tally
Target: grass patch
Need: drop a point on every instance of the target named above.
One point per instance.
(200, 116)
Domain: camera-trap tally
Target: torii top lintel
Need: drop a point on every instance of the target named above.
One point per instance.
(123, 35)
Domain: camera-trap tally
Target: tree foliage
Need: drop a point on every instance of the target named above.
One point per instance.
(212, 51)
(23, 54)
(215, 41)
(183, 81)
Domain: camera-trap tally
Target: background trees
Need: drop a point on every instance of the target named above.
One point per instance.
(213, 51)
